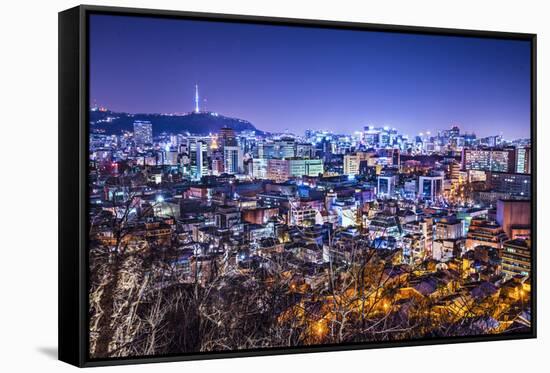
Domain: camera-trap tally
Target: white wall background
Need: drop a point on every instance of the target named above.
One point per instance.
(28, 186)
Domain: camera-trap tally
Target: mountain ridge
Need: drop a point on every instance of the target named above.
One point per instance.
(201, 123)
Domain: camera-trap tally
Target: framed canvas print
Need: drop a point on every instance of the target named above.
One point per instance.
(238, 186)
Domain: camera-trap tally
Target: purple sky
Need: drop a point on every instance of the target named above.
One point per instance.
(296, 78)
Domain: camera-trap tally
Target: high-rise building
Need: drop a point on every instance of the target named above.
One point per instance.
(352, 162)
(266, 150)
(493, 140)
(454, 132)
(171, 157)
(387, 157)
(396, 157)
(409, 189)
(469, 139)
(523, 160)
(516, 258)
(484, 232)
(454, 172)
(305, 150)
(371, 136)
(496, 160)
(278, 169)
(143, 132)
(232, 159)
(259, 168)
(284, 169)
(430, 187)
(517, 185)
(386, 186)
(285, 147)
(198, 159)
(227, 137)
(217, 162)
(514, 215)
(305, 167)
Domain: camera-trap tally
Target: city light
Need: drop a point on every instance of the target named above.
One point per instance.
(252, 227)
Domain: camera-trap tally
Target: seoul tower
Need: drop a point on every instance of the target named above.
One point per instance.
(197, 99)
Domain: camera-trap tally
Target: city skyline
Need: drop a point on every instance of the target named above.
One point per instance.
(282, 86)
(206, 235)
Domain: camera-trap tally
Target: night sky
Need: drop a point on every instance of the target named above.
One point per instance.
(295, 78)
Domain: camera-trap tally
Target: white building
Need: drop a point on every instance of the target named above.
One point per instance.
(259, 168)
(386, 186)
(232, 159)
(430, 187)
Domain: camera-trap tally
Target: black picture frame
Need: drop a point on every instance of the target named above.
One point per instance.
(73, 193)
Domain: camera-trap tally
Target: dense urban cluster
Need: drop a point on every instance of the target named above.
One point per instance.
(244, 240)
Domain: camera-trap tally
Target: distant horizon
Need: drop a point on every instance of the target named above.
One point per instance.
(360, 128)
(283, 78)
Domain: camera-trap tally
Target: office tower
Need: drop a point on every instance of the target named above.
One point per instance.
(305, 167)
(217, 162)
(496, 160)
(266, 150)
(278, 169)
(523, 160)
(516, 258)
(259, 168)
(371, 136)
(352, 162)
(304, 150)
(396, 157)
(171, 157)
(430, 187)
(514, 216)
(227, 137)
(285, 147)
(198, 153)
(386, 186)
(454, 132)
(143, 132)
(484, 232)
(515, 185)
(232, 159)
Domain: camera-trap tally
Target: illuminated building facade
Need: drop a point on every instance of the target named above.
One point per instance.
(259, 168)
(516, 258)
(523, 159)
(386, 186)
(143, 132)
(484, 232)
(495, 160)
(233, 159)
(514, 216)
(352, 162)
(430, 187)
(449, 229)
(198, 151)
(515, 185)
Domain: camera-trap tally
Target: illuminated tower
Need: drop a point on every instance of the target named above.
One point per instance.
(196, 98)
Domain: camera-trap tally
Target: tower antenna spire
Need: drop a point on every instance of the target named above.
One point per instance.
(197, 98)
